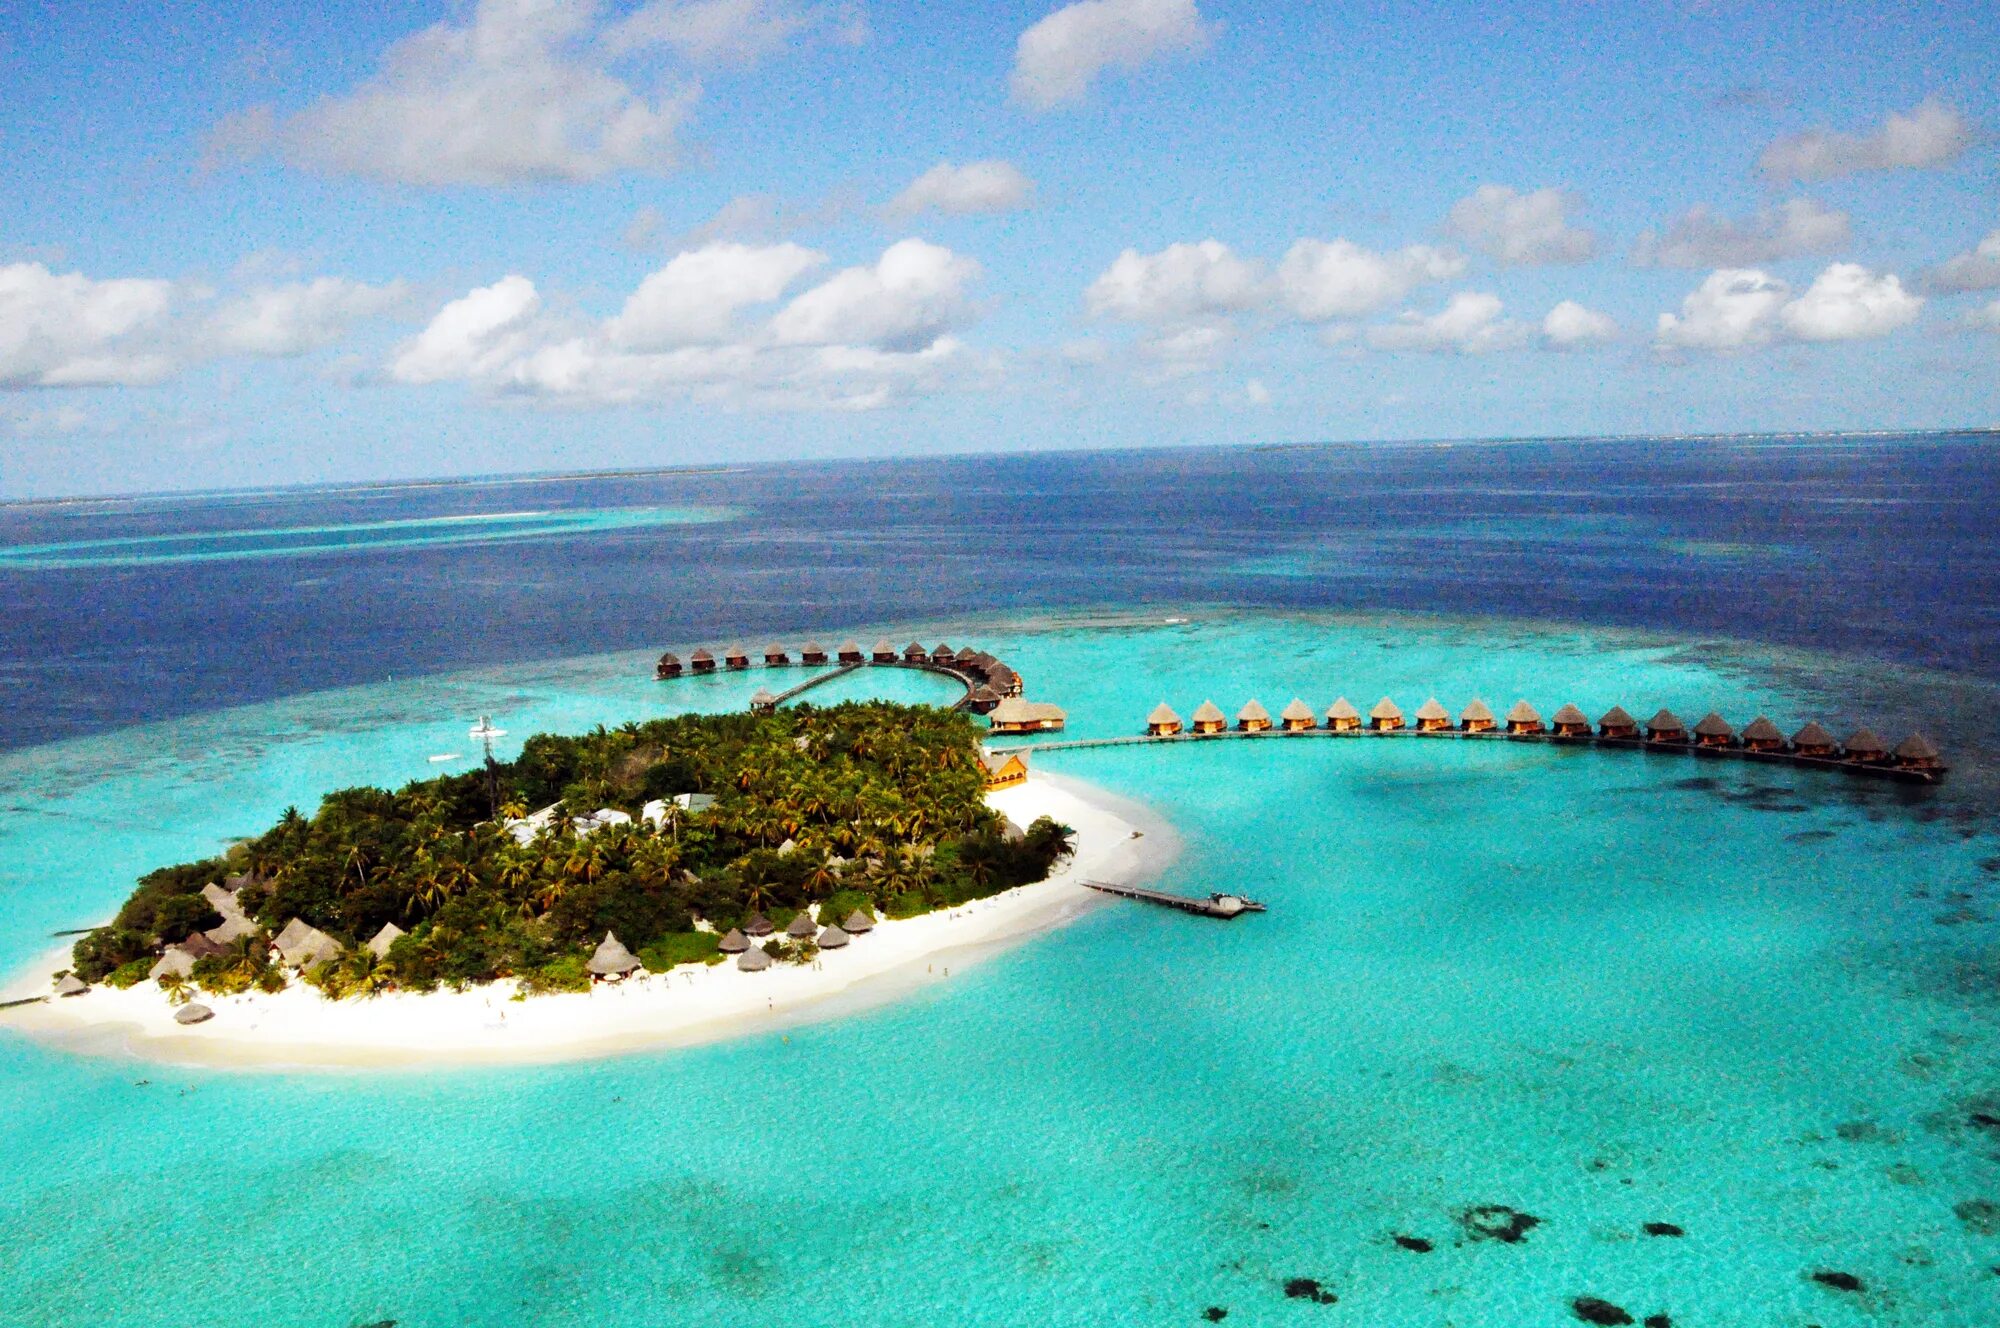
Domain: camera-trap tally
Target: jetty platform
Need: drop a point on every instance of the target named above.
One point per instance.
(1215, 906)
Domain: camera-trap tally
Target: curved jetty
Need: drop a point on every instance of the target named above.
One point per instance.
(990, 685)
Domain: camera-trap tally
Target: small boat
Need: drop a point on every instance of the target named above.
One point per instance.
(443, 757)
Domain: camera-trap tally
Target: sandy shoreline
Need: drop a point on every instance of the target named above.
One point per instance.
(298, 1028)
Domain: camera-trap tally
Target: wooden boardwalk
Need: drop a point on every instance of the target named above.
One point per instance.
(1215, 906)
(942, 671)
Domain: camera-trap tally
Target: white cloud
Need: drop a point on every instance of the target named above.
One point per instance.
(1570, 326)
(1324, 279)
(1520, 229)
(68, 330)
(1731, 309)
(1190, 348)
(304, 316)
(1986, 319)
(472, 335)
(1977, 270)
(911, 296)
(1847, 302)
(1469, 324)
(1182, 281)
(1256, 393)
(735, 32)
(1927, 135)
(51, 422)
(1057, 59)
(695, 298)
(1702, 238)
(977, 186)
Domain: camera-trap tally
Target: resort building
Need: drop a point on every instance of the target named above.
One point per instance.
(1865, 747)
(1386, 717)
(1713, 731)
(984, 700)
(1342, 717)
(850, 653)
(1004, 769)
(1253, 717)
(764, 702)
(966, 657)
(753, 960)
(1916, 753)
(1617, 724)
(858, 924)
(379, 943)
(1814, 740)
(1761, 735)
(1004, 680)
(914, 653)
(1477, 717)
(1013, 715)
(1524, 718)
(1570, 722)
(944, 655)
(1208, 718)
(701, 661)
(757, 925)
(884, 652)
(736, 657)
(612, 961)
(1432, 717)
(1163, 722)
(833, 938)
(668, 667)
(734, 942)
(774, 656)
(302, 946)
(1666, 726)
(1297, 717)
(812, 653)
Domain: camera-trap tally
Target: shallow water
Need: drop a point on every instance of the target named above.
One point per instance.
(1602, 988)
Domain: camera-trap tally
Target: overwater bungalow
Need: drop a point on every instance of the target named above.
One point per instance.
(1208, 718)
(763, 702)
(1616, 723)
(850, 653)
(1013, 715)
(801, 927)
(858, 924)
(983, 700)
(1761, 735)
(1163, 722)
(812, 653)
(884, 652)
(733, 942)
(915, 653)
(1569, 721)
(966, 657)
(1713, 731)
(944, 655)
(1666, 726)
(1386, 717)
(1297, 717)
(833, 938)
(1253, 717)
(1814, 740)
(753, 960)
(775, 656)
(1524, 718)
(1432, 717)
(1004, 769)
(1477, 717)
(736, 657)
(757, 925)
(1864, 748)
(701, 661)
(1342, 717)
(612, 961)
(1916, 752)
(1004, 680)
(668, 667)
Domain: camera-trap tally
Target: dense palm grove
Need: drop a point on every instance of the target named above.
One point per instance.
(869, 805)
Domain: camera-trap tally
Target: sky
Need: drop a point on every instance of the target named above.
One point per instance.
(272, 244)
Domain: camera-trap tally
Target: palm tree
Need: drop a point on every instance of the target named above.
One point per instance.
(177, 987)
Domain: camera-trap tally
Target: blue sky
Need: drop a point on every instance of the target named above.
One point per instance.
(329, 243)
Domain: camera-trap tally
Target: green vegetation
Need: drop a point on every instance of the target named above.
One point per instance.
(867, 805)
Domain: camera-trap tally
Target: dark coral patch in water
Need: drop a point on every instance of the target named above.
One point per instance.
(1306, 1288)
(1662, 1229)
(1414, 1244)
(1838, 1281)
(1498, 1222)
(1215, 1314)
(1593, 1310)
(1981, 1216)
(1658, 1321)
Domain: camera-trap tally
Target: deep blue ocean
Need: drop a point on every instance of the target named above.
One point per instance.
(1719, 1043)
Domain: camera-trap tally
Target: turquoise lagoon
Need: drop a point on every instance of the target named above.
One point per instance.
(1603, 989)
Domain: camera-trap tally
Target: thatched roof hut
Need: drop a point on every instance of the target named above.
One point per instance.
(668, 667)
(1569, 721)
(175, 961)
(965, 655)
(858, 924)
(71, 985)
(812, 652)
(833, 938)
(915, 653)
(736, 657)
(1385, 715)
(612, 959)
(1761, 735)
(1713, 731)
(984, 700)
(1917, 753)
(1297, 717)
(850, 652)
(379, 943)
(801, 925)
(758, 925)
(198, 945)
(753, 960)
(194, 1012)
(1477, 717)
(300, 945)
(1432, 717)
(1342, 717)
(1163, 722)
(701, 661)
(775, 655)
(884, 651)
(1666, 726)
(1814, 740)
(1524, 718)
(1253, 717)
(763, 701)
(1013, 715)
(943, 654)
(733, 942)
(1208, 718)
(1617, 723)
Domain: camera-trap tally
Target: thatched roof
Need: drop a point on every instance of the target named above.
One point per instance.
(753, 960)
(380, 942)
(1208, 712)
(701, 656)
(1296, 712)
(984, 695)
(1666, 721)
(943, 651)
(966, 654)
(221, 899)
(301, 945)
(198, 945)
(916, 648)
(670, 658)
(850, 647)
(176, 961)
(801, 925)
(773, 650)
(763, 696)
(612, 958)
(736, 652)
(1385, 709)
(193, 1013)
(1523, 713)
(858, 923)
(1916, 747)
(1163, 714)
(1617, 718)
(1713, 725)
(1253, 711)
(833, 938)
(1342, 709)
(1432, 710)
(1761, 729)
(233, 927)
(1476, 712)
(1569, 714)
(71, 985)
(1014, 710)
(812, 648)
(758, 925)
(733, 942)
(1813, 734)
(1865, 743)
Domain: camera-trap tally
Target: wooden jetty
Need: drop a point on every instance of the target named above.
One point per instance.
(1215, 906)
(987, 680)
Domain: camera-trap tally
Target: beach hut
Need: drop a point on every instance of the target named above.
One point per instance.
(775, 656)
(1477, 717)
(1432, 717)
(1713, 731)
(944, 655)
(1814, 740)
(763, 702)
(812, 652)
(668, 667)
(850, 653)
(1570, 722)
(884, 652)
(1208, 718)
(71, 985)
(1617, 723)
(303, 946)
(1004, 769)
(1342, 717)
(833, 938)
(1916, 752)
(194, 1012)
(379, 943)
(1297, 717)
(175, 961)
(758, 925)
(1013, 715)
(733, 942)
(1163, 722)
(914, 653)
(1863, 746)
(701, 661)
(858, 924)
(612, 960)
(1666, 726)
(1386, 717)
(1524, 718)
(1253, 717)
(753, 960)
(736, 657)
(1761, 735)
(801, 926)
(200, 946)
(984, 699)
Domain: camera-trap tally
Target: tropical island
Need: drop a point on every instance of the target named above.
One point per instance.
(653, 846)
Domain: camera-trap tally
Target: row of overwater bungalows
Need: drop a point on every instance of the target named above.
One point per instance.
(1712, 732)
(990, 680)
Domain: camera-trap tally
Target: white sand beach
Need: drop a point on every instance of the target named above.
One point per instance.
(298, 1028)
